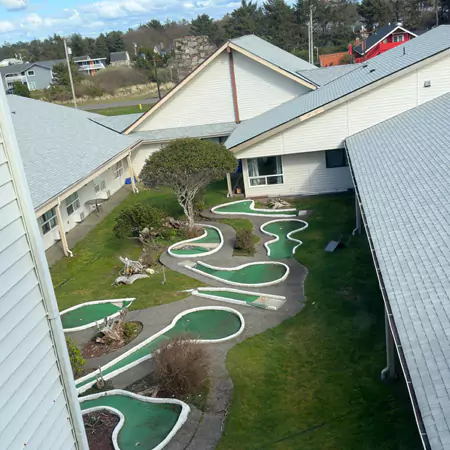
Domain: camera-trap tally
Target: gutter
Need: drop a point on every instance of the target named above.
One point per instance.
(393, 327)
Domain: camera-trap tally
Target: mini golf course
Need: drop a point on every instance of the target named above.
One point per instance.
(247, 207)
(88, 314)
(146, 423)
(210, 242)
(207, 324)
(256, 274)
(257, 299)
(284, 245)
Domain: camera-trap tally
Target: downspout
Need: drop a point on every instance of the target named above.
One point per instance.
(390, 318)
(64, 241)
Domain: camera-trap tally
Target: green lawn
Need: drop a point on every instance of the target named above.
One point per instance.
(120, 110)
(313, 382)
(91, 273)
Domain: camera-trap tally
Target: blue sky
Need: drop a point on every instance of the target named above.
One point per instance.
(29, 19)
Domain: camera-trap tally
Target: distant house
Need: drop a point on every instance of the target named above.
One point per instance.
(120, 59)
(159, 49)
(333, 59)
(37, 75)
(10, 62)
(88, 65)
(385, 38)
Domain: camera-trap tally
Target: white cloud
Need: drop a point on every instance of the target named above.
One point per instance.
(14, 4)
(6, 26)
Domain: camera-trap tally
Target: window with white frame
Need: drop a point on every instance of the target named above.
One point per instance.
(265, 170)
(335, 158)
(398, 38)
(30, 73)
(72, 203)
(99, 186)
(118, 170)
(31, 85)
(48, 221)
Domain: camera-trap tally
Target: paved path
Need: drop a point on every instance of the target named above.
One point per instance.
(95, 106)
(203, 429)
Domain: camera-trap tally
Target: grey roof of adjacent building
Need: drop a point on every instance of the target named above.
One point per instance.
(116, 123)
(197, 131)
(324, 75)
(60, 146)
(50, 63)
(119, 56)
(401, 171)
(272, 54)
(81, 58)
(382, 66)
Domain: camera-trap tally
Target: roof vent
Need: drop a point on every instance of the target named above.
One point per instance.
(372, 70)
(365, 65)
(404, 50)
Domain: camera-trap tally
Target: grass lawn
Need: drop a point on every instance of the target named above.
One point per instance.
(241, 224)
(119, 110)
(314, 382)
(91, 273)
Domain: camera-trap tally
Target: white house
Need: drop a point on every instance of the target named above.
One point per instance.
(39, 408)
(287, 120)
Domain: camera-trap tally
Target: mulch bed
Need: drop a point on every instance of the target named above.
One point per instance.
(95, 349)
(99, 427)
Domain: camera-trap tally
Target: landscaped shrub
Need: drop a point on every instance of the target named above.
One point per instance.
(244, 240)
(133, 219)
(76, 360)
(129, 330)
(181, 366)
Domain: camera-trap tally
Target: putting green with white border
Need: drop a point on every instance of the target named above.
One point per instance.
(246, 207)
(204, 244)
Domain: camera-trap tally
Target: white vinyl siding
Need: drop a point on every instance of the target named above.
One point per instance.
(329, 129)
(205, 99)
(303, 174)
(32, 401)
(260, 88)
(139, 156)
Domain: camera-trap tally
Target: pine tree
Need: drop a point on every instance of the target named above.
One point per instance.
(204, 25)
(247, 19)
(280, 23)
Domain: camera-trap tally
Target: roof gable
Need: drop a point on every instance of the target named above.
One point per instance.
(376, 69)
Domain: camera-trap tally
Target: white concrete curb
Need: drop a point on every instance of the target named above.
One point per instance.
(96, 302)
(110, 375)
(198, 255)
(288, 236)
(185, 410)
(198, 292)
(233, 283)
(252, 207)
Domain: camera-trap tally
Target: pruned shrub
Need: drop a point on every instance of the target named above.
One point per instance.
(181, 366)
(76, 359)
(133, 219)
(244, 240)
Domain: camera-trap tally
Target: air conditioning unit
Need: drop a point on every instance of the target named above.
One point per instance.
(55, 235)
(79, 217)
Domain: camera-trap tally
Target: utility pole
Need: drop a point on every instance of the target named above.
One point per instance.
(156, 77)
(436, 4)
(311, 38)
(70, 73)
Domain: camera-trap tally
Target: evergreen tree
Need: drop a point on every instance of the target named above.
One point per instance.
(279, 20)
(21, 89)
(247, 19)
(204, 25)
(78, 45)
(376, 13)
(101, 46)
(114, 40)
(61, 74)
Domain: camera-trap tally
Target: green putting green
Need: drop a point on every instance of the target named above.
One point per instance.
(193, 248)
(208, 324)
(283, 248)
(146, 424)
(244, 207)
(247, 298)
(87, 314)
(252, 274)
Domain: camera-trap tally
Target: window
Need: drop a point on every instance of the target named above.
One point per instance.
(30, 73)
(267, 170)
(48, 221)
(10, 75)
(336, 158)
(99, 185)
(118, 170)
(398, 38)
(72, 203)
(32, 86)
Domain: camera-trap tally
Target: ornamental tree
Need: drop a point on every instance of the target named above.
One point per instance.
(188, 166)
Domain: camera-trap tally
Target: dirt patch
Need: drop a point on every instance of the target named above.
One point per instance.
(99, 427)
(94, 349)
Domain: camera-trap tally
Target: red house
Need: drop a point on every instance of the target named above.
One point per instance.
(385, 38)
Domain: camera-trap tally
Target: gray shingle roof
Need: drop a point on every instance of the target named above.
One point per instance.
(398, 58)
(325, 75)
(273, 54)
(116, 123)
(119, 56)
(401, 168)
(198, 131)
(60, 145)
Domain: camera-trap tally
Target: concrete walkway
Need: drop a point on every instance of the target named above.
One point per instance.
(79, 232)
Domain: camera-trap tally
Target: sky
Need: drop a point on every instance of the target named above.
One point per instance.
(29, 19)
